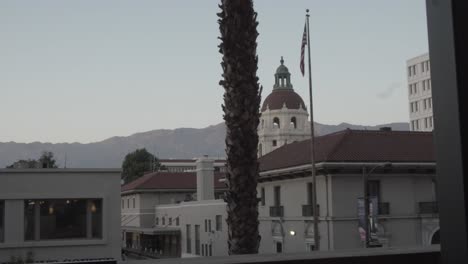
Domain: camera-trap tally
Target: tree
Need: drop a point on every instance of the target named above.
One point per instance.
(47, 160)
(137, 163)
(238, 27)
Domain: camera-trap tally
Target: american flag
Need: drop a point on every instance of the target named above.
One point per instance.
(303, 44)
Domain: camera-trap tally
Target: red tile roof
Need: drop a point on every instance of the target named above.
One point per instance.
(278, 97)
(169, 180)
(355, 146)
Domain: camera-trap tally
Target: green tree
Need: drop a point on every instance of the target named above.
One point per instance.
(47, 160)
(238, 27)
(137, 163)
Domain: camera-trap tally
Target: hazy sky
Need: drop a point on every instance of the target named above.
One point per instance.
(87, 70)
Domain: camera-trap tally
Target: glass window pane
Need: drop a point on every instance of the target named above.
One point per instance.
(2, 222)
(96, 218)
(61, 219)
(29, 219)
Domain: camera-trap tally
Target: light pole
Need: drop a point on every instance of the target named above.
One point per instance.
(365, 177)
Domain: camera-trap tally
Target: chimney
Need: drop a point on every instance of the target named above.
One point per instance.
(387, 129)
(205, 178)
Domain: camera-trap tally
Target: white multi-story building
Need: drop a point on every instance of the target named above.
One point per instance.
(400, 168)
(420, 93)
(284, 117)
(59, 215)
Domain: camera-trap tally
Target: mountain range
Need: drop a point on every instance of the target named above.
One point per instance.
(165, 143)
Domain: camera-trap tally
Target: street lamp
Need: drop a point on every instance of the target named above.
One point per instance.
(365, 176)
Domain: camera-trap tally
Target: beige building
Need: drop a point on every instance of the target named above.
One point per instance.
(420, 93)
(401, 175)
(157, 208)
(284, 117)
(59, 215)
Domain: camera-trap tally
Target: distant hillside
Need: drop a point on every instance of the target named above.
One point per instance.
(177, 143)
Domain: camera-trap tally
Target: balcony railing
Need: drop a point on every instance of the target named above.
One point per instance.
(428, 208)
(308, 210)
(384, 208)
(276, 211)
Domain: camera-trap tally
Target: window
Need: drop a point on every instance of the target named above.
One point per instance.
(430, 121)
(309, 193)
(2, 221)
(197, 239)
(279, 247)
(415, 86)
(425, 121)
(157, 220)
(189, 238)
(276, 122)
(133, 202)
(293, 123)
(170, 220)
(277, 196)
(409, 71)
(177, 221)
(416, 106)
(410, 89)
(128, 203)
(274, 143)
(424, 104)
(63, 219)
(373, 188)
(210, 250)
(163, 220)
(123, 203)
(203, 250)
(209, 225)
(219, 223)
(206, 225)
(262, 196)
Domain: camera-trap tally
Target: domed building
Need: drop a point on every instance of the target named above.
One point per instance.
(284, 117)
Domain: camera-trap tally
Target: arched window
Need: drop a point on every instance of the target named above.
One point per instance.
(293, 123)
(276, 122)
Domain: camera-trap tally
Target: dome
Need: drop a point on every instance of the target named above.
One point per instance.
(282, 69)
(279, 97)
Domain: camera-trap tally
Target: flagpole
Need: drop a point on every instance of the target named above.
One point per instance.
(312, 148)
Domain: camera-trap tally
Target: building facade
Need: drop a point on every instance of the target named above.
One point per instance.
(404, 191)
(284, 117)
(188, 165)
(157, 207)
(59, 215)
(420, 93)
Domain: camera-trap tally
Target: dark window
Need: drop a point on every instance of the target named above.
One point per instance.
(274, 143)
(219, 223)
(170, 220)
(210, 250)
(373, 187)
(157, 220)
(263, 196)
(133, 202)
(209, 225)
(189, 239)
(2, 221)
(276, 122)
(293, 122)
(197, 239)
(206, 225)
(123, 203)
(163, 220)
(279, 247)
(309, 193)
(203, 250)
(63, 219)
(177, 221)
(277, 196)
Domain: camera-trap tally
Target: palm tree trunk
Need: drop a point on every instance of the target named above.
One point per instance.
(238, 26)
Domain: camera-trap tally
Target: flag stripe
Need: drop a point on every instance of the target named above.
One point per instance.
(303, 44)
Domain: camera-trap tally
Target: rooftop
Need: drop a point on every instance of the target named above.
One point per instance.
(354, 146)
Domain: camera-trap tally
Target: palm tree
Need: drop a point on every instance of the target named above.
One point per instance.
(238, 26)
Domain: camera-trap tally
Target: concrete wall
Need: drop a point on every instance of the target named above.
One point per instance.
(18, 185)
(195, 213)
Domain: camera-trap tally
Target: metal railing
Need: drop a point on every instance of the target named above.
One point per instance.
(308, 210)
(276, 211)
(428, 208)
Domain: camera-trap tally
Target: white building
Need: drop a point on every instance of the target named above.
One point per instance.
(404, 188)
(420, 93)
(157, 208)
(59, 215)
(284, 117)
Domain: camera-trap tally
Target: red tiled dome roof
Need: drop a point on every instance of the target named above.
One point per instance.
(278, 97)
